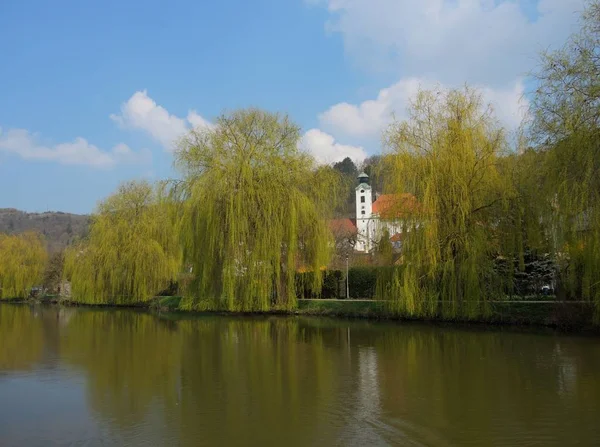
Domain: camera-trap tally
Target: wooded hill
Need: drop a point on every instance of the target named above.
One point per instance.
(59, 229)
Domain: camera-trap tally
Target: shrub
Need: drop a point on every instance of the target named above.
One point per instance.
(331, 285)
(362, 282)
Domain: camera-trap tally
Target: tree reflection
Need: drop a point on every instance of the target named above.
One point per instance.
(21, 341)
(130, 360)
(256, 380)
(458, 384)
(216, 380)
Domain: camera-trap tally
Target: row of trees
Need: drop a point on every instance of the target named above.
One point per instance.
(251, 209)
(482, 200)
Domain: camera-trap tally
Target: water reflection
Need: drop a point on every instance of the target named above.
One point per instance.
(133, 378)
(21, 341)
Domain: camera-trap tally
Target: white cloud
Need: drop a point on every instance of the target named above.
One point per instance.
(510, 104)
(489, 42)
(143, 113)
(369, 118)
(326, 150)
(197, 121)
(22, 143)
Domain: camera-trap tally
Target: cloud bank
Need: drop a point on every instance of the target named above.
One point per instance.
(78, 152)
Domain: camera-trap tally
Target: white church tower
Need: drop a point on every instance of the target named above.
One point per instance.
(364, 214)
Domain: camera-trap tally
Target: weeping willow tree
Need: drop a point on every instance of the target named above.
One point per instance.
(132, 251)
(253, 211)
(566, 131)
(23, 259)
(446, 154)
(384, 251)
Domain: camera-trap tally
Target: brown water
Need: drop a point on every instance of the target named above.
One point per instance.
(106, 377)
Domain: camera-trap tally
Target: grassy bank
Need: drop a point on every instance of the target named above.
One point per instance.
(568, 316)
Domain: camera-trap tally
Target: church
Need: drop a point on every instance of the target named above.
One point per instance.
(374, 215)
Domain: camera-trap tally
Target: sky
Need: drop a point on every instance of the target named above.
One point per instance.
(95, 93)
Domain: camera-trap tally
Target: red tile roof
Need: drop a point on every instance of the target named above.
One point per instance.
(342, 226)
(389, 206)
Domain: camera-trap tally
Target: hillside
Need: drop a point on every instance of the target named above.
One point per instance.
(59, 229)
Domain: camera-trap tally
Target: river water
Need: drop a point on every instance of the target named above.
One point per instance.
(119, 377)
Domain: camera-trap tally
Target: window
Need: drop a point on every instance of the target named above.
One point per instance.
(362, 199)
(362, 212)
(362, 191)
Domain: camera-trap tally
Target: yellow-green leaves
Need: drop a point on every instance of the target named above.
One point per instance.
(132, 251)
(446, 154)
(566, 127)
(22, 261)
(253, 210)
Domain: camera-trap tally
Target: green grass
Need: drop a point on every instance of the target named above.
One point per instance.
(571, 316)
(343, 308)
(166, 303)
(566, 316)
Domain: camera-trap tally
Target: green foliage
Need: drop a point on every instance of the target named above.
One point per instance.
(447, 155)
(346, 167)
(343, 308)
(332, 283)
(362, 282)
(132, 251)
(54, 272)
(348, 174)
(566, 98)
(384, 252)
(375, 168)
(22, 261)
(566, 128)
(253, 211)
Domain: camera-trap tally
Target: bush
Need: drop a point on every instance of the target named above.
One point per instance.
(362, 282)
(331, 285)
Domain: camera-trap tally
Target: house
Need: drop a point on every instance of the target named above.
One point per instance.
(388, 212)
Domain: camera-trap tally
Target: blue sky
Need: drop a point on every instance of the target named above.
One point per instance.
(92, 93)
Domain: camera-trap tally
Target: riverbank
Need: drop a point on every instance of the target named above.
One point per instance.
(565, 316)
(562, 315)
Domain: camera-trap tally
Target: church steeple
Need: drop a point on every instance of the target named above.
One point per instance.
(364, 211)
(363, 178)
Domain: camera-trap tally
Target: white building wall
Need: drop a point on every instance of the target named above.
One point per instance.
(369, 227)
(364, 212)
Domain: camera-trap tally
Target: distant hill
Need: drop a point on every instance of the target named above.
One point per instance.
(59, 229)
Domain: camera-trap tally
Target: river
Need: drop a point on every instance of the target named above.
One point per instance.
(92, 377)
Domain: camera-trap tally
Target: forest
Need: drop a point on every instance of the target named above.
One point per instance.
(250, 209)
